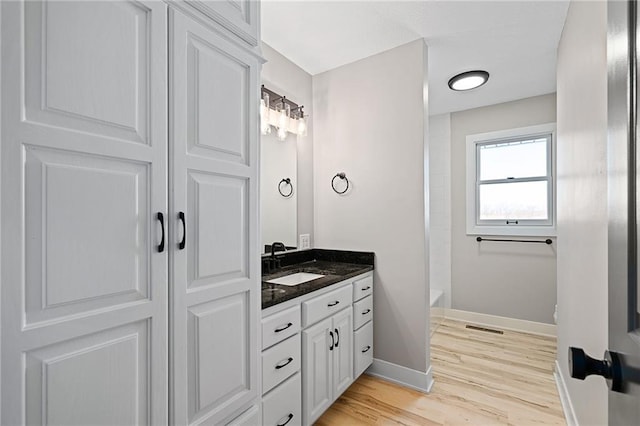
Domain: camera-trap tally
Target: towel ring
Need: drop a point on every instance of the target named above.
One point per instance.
(286, 181)
(342, 176)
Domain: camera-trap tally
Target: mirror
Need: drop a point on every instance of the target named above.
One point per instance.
(278, 197)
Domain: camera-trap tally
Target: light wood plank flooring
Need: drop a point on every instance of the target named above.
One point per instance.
(481, 378)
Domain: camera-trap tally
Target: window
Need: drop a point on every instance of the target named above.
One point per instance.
(510, 185)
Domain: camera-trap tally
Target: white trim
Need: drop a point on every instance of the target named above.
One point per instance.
(565, 400)
(512, 324)
(525, 230)
(401, 375)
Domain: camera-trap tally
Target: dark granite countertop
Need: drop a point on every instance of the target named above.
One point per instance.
(335, 265)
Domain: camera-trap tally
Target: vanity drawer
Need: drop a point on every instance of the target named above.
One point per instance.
(362, 287)
(362, 349)
(362, 312)
(280, 362)
(284, 404)
(322, 306)
(277, 327)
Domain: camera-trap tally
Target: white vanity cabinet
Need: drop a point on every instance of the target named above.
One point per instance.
(281, 361)
(129, 205)
(362, 324)
(323, 323)
(327, 371)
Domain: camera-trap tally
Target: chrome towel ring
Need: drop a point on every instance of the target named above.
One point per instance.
(286, 181)
(342, 176)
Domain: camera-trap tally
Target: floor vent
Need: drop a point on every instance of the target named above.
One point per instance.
(488, 330)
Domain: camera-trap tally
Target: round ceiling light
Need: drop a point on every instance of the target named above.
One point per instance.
(468, 80)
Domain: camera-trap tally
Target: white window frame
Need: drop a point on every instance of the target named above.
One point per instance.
(522, 228)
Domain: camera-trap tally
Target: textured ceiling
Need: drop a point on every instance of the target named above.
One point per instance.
(515, 41)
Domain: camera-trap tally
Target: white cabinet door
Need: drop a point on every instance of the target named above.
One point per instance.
(342, 352)
(241, 17)
(317, 359)
(84, 171)
(215, 263)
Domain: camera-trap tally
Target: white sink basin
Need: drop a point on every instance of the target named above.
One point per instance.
(295, 279)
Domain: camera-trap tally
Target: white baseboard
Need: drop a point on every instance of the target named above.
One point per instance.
(504, 323)
(404, 376)
(567, 406)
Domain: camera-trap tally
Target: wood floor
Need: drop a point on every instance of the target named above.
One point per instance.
(481, 378)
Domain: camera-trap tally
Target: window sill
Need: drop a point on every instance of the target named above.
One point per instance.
(515, 231)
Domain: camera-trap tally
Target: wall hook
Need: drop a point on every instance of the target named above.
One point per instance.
(342, 176)
(286, 181)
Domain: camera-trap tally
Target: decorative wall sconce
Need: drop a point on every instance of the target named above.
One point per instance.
(279, 112)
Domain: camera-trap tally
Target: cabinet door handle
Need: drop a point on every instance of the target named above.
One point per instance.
(366, 349)
(332, 341)
(287, 362)
(365, 312)
(333, 303)
(278, 330)
(337, 337)
(184, 231)
(366, 288)
(160, 217)
(289, 417)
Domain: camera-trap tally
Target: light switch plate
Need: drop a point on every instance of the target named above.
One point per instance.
(304, 242)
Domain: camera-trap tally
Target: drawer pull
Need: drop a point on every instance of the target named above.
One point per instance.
(366, 312)
(366, 288)
(289, 417)
(366, 349)
(278, 330)
(333, 303)
(287, 362)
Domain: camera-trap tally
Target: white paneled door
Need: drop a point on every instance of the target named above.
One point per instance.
(84, 172)
(342, 352)
(215, 262)
(317, 370)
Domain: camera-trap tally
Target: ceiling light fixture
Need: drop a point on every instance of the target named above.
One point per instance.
(265, 128)
(283, 114)
(468, 80)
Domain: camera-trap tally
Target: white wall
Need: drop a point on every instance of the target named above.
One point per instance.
(286, 78)
(514, 280)
(371, 124)
(582, 195)
(440, 205)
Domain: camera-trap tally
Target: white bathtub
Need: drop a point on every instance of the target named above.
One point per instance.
(437, 309)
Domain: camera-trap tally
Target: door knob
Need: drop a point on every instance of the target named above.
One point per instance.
(582, 365)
